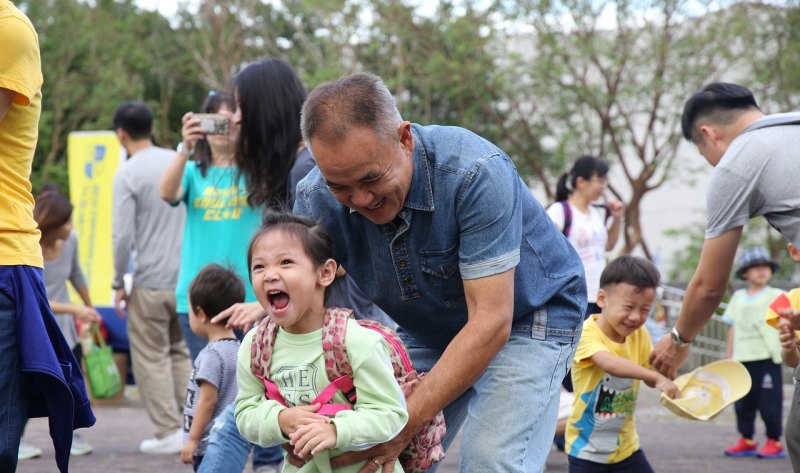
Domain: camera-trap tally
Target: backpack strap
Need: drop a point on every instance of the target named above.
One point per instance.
(334, 348)
(567, 217)
(606, 210)
(260, 355)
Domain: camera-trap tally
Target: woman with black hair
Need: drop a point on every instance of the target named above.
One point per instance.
(585, 224)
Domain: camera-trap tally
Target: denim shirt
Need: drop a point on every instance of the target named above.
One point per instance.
(467, 215)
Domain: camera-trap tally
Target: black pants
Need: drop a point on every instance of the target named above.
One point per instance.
(636, 463)
(765, 397)
(793, 426)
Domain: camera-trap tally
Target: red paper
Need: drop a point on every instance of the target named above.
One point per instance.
(780, 302)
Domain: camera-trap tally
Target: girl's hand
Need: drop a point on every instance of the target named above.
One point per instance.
(616, 208)
(666, 386)
(191, 132)
(310, 439)
(792, 315)
(187, 452)
(293, 418)
(787, 336)
(87, 314)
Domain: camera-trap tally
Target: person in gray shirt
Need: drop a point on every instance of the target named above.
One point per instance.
(143, 222)
(757, 167)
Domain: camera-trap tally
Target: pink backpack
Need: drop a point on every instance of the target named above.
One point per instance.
(425, 448)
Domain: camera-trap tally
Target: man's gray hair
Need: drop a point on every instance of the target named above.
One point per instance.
(357, 100)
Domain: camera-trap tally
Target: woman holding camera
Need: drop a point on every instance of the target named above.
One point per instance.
(219, 220)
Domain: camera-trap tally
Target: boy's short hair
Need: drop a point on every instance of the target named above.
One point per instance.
(638, 272)
(215, 289)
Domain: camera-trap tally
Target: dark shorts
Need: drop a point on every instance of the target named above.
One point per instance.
(636, 463)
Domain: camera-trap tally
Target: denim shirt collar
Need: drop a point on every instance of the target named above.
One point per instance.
(420, 194)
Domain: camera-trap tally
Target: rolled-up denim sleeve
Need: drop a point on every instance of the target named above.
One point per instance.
(489, 216)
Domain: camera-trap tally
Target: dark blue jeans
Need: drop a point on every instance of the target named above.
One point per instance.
(227, 450)
(13, 403)
(765, 397)
(636, 463)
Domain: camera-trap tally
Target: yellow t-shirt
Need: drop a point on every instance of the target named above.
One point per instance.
(20, 72)
(601, 428)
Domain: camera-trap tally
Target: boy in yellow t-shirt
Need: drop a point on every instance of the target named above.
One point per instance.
(610, 360)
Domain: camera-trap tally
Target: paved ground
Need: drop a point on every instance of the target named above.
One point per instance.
(673, 445)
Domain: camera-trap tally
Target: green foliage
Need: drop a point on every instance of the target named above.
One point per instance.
(545, 80)
(756, 233)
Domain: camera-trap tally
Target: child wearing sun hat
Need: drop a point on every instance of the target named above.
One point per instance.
(757, 346)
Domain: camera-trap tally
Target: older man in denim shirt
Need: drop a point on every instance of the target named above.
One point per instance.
(437, 227)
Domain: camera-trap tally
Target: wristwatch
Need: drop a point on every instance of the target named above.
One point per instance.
(180, 149)
(676, 338)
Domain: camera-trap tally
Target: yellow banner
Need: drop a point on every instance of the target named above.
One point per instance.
(93, 158)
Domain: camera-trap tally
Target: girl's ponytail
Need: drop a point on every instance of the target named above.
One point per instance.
(563, 187)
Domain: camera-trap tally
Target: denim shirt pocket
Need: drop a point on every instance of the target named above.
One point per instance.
(442, 265)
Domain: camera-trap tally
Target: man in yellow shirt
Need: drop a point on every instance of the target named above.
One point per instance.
(33, 349)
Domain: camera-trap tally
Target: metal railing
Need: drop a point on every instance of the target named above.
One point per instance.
(710, 345)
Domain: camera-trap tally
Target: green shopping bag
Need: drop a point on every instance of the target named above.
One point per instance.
(104, 379)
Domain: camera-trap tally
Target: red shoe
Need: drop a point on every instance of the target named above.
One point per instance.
(743, 448)
(772, 449)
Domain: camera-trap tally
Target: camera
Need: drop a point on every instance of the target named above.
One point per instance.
(213, 123)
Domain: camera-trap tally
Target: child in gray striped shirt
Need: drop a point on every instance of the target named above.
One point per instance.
(212, 385)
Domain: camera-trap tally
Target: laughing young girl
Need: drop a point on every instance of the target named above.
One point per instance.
(291, 265)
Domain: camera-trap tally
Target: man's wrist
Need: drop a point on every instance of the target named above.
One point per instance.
(677, 339)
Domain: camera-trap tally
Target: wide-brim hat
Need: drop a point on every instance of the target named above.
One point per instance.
(709, 389)
(753, 257)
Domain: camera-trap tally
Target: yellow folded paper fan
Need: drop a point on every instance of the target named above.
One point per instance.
(709, 389)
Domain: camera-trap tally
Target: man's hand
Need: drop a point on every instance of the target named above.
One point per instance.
(119, 297)
(667, 357)
(384, 454)
(310, 439)
(292, 418)
(187, 452)
(241, 315)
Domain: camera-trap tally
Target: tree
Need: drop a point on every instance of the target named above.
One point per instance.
(95, 56)
(609, 78)
(771, 66)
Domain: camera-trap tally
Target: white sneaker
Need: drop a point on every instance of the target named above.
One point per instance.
(79, 446)
(169, 445)
(28, 451)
